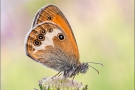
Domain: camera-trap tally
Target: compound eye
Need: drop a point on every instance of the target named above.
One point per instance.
(61, 37)
(37, 42)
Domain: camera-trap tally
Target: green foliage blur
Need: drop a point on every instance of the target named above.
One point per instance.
(104, 31)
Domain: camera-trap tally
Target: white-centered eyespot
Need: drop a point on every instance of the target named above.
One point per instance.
(61, 36)
(50, 30)
(43, 32)
(37, 42)
(41, 37)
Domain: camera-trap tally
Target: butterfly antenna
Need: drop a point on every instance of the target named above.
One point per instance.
(95, 69)
(96, 63)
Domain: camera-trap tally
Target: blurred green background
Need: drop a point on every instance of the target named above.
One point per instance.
(104, 31)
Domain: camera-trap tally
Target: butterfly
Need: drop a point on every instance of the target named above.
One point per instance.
(51, 42)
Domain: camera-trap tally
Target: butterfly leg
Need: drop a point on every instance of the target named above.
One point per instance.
(73, 79)
(58, 74)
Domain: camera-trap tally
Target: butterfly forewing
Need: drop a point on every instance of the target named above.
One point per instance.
(53, 14)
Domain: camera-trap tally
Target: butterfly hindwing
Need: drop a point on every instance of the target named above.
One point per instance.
(48, 44)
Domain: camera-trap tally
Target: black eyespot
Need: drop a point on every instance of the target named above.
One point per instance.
(33, 49)
(49, 18)
(61, 37)
(43, 32)
(41, 37)
(50, 30)
(37, 42)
